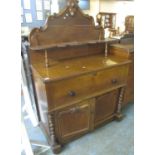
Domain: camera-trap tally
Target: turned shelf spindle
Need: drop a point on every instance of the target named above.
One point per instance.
(46, 59)
(106, 50)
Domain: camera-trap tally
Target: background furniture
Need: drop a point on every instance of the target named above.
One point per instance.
(107, 20)
(129, 24)
(78, 85)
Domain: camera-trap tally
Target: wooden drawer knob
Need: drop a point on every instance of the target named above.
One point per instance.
(114, 81)
(72, 93)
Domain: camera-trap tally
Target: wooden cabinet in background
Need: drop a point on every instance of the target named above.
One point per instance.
(129, 24)
(106, 19)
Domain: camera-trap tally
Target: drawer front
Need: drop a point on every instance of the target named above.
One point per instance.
(69, 90)
(76, 89)
(110, 78)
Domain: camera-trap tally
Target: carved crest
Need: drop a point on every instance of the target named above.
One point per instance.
(70, 25)
(73, 5)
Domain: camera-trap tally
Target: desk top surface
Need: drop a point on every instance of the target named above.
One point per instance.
(63, 69)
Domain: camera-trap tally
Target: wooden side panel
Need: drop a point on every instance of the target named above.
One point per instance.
(41, 99)
(74, 120)
(129, 93)
(105, 106)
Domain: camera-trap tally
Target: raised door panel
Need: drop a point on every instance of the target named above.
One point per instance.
(105, 106)
(74, 120)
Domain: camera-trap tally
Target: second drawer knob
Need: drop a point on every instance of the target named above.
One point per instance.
(114, 81)
(72, 93)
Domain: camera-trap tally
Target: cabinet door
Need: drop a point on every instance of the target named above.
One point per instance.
(74, 120)
(105, 106)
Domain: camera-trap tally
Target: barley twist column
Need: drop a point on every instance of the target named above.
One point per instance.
(55, 146)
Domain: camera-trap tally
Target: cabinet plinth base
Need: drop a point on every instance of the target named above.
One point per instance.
(119, 116)
(56, 148)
